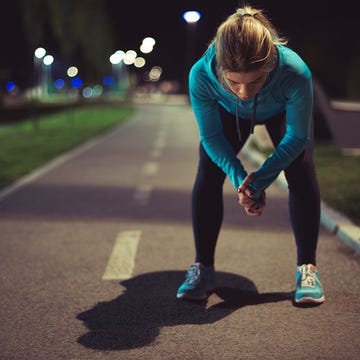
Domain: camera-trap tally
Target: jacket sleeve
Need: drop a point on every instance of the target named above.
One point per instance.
(299, 107)
(207, 115)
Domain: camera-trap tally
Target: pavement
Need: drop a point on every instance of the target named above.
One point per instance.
(94, 245)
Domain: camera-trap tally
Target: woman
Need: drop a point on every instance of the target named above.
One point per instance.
(249, 76)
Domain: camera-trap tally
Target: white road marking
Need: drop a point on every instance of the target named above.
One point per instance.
(150, 168)
(122, 259)
(160, 141)
(142, 194)
(156, 153)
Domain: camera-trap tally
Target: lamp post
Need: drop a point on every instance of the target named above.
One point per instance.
(47, 60)
(39, 54)
(191, 17)
(116, 60)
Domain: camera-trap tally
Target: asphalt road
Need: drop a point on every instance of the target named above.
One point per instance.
(94, 246)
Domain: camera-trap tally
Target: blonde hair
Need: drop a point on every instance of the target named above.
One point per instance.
(246, 41)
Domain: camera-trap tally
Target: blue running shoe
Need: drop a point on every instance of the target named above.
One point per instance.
(198, 282)
(308, 286)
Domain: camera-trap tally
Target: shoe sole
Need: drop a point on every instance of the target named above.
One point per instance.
(189, 297)
(199, 298)
(310, 300)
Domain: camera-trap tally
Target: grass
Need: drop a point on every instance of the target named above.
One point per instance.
(339, 178)
(31, 143)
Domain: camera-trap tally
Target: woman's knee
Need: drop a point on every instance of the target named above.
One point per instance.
(301, 174)
(209, 174)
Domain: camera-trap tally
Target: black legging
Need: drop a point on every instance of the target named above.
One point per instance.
(304, 194)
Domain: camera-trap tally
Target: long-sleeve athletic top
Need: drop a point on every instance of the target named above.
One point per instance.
(288, 89)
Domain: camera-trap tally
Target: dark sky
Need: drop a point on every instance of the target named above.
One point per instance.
(163, 21)
(133, 20)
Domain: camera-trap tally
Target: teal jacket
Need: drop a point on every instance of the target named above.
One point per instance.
(288, 88)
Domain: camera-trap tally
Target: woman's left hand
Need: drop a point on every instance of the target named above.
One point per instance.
(251, 206)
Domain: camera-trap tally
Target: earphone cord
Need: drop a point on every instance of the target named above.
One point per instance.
(253, 119)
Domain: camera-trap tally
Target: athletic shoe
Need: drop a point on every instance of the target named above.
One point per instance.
(308, 286)
(199, 280)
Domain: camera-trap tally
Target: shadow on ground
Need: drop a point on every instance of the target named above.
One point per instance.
(134, 318)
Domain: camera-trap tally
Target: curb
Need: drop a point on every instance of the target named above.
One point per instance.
(332, 220)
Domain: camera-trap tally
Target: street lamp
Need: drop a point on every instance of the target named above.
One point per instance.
(191, 17)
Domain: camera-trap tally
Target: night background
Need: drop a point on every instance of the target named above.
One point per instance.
(86, 32)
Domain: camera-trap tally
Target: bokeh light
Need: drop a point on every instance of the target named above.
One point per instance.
(139, 62)
(191, 16)
(40, 52)
(147, 45)
(72, 71)
(76, 83)
(155, 73)
(48, 60)
(10, 86)
(108, 80)
(98, 90)
(59, 83)
(117, 57)
(87, 92)
(130, 57)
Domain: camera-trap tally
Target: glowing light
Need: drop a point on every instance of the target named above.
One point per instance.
(149, 41)
(76, 83)
(191, 16)
(10, 86)
(87, 92)
(146, 49)
(98, 90)
(155, 73)
(59, 83)
(120, 53)
(147, 45)
(130, 57)
(108, 80)
(117, 57)
(72, 71)
(40, 52)
(139, 62)
(48, 60)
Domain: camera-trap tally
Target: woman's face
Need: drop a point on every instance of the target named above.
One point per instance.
(245, 85)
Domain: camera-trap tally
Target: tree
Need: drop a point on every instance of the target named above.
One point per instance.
(78, 30)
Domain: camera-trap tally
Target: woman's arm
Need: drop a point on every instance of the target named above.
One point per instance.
(299, 109)
(207, 115)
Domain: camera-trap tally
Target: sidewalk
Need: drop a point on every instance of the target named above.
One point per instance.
(331, 219)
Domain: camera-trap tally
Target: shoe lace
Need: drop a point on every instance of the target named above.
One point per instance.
(308, 277)
(193, 274)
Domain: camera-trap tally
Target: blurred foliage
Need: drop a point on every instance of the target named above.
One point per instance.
(80, 29)
(332, 54)
(339, 179)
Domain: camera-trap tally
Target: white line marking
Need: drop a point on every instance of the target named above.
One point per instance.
(159, 142)
(142, 194)
(150, 168)
(122, 259)
(156, 153)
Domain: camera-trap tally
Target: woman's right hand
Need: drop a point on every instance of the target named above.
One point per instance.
(251, 206)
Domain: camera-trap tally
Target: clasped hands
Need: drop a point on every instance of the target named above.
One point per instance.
(251, 206)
